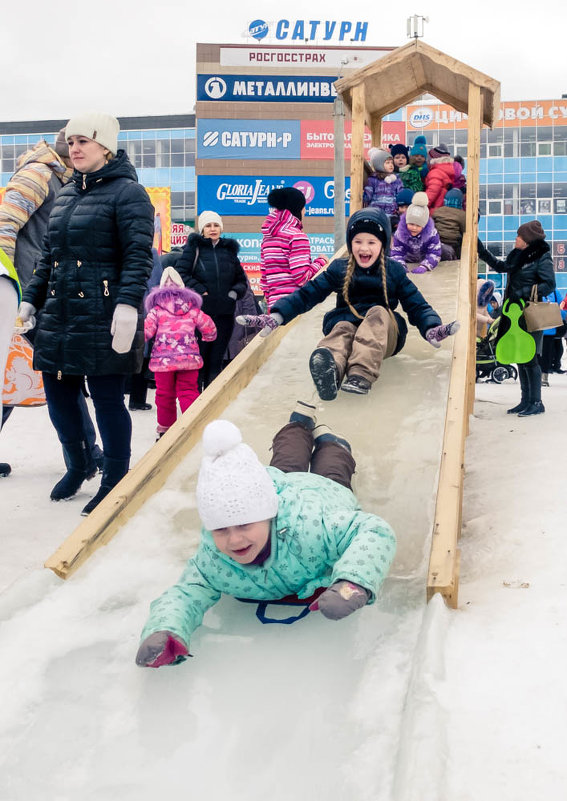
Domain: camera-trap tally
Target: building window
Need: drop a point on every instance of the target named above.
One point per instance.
(494, 151)
(544, 148)
(495, 207)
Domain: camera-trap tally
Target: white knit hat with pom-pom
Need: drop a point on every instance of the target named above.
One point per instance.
(418, 213)
(233, 487)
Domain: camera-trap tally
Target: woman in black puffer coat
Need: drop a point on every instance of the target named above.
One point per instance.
(89, 287)
(209, 264)
(529, 263)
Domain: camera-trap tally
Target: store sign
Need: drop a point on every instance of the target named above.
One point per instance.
(269, 88)
(248, 195)
(248, 139)
(179, 234)
(318, 138)
(249, 253)
(308, 30)
(327, 58)
(510, 115)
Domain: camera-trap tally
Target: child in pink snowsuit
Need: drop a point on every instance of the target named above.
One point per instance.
(173, 314)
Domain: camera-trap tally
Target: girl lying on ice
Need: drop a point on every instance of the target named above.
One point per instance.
(269, 532)
(363, 329)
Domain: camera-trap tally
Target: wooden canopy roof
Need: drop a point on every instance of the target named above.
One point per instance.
(407, 72)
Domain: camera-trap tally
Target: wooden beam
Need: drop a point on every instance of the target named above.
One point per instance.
(473, 183)
(357, 148)
(376, 130)
(413, 69)
(153, 469)
(444, 556)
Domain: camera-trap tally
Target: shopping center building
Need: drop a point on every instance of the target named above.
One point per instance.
(264, 118)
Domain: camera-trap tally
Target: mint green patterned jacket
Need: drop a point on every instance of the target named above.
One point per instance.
(318, 537)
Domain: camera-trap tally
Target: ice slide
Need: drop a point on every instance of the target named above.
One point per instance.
(312, 710)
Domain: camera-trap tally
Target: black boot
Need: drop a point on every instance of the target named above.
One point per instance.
(5, 469)
(535, 406)
(112, 472)
(324, 373)
(78, 469)
(524, 384)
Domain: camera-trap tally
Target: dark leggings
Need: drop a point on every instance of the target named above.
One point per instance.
(292, 450)
(213, 352)
(113, 420)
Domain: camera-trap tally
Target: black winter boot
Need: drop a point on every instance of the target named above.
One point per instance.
(78, 470)
(5, 469)
(112, 472)
(324, 373)
(525, 386)
(535, 406)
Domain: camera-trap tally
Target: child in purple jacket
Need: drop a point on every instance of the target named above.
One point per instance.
(173, 314)
(416, 240)
(381, 188)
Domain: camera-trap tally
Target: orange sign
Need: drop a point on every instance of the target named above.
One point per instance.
(161, 201)
(511, 115)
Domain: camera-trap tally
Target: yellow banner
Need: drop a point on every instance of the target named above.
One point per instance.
(161, 201)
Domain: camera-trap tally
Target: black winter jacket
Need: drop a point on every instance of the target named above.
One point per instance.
(97, 253)
(527, 267)
(365, 291)
(216, 270)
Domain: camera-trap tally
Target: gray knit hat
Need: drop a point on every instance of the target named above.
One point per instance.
(379, 157)
(61, 147)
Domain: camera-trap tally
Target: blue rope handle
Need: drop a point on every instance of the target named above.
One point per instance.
(261, 614)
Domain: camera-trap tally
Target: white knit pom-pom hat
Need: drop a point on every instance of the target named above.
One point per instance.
(233, 487)
(417, 212)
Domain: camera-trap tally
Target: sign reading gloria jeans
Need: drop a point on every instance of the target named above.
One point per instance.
(270, 88)
(248, 195)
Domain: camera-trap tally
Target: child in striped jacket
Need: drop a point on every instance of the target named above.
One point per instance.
(285, 250)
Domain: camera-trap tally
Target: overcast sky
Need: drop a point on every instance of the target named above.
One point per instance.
(130, 58)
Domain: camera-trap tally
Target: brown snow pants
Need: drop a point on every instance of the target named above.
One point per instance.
(360, 350)
(293, 452)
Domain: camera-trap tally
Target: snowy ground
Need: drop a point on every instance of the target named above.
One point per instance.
(401, 702)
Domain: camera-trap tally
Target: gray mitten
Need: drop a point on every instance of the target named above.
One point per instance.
(161, 648)
(341, 599)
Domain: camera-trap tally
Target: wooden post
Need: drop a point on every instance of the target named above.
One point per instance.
(153, 469)
(357, 147)
(443, 575)
(376, 130)
(473, 169)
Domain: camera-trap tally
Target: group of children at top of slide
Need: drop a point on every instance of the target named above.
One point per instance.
(294, 528)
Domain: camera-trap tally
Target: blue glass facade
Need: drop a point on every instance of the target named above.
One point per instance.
(523, 173)
(162, 154)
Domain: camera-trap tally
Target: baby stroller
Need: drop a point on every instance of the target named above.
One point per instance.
(486, 365)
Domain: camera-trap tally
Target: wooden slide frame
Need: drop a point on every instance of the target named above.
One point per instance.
(153, 469)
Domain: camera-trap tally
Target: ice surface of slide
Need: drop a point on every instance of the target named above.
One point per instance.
(311, 710)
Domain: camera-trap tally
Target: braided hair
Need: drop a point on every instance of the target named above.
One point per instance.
(351, 264)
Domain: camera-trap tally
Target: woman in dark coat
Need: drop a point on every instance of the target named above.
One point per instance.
(89, 287)
(529, 263)
(209, 264)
